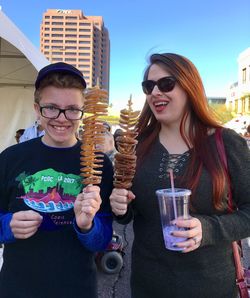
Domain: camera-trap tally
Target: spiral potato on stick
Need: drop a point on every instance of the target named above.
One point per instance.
(125, 158)
(96, 104)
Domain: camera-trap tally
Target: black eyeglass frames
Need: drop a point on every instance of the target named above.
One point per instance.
(52, 112)
(165, 84)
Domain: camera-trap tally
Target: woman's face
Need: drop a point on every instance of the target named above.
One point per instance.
(60, 132)
(167, 107)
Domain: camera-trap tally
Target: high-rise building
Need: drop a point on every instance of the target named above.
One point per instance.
(82, 41)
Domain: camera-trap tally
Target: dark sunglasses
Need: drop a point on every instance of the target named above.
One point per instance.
(165, 84)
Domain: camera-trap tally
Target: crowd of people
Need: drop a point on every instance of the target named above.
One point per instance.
(52, 225)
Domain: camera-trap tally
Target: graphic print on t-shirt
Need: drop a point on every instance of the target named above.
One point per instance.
(50, 191)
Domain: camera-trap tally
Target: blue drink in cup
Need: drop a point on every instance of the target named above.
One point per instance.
(173, 204)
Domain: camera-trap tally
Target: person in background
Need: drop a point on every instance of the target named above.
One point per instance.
(51, 224)
(107, 126)
(108, 147)
(19, 133)
(247, 136)
(34, 131)
(247, 133)
(177, 132)
(117, 133)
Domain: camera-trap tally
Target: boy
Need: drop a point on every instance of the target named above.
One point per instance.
(50, 227)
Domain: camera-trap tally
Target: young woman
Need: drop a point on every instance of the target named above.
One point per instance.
(50, 225)
(176, 131)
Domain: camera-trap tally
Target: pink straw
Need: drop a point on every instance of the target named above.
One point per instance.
(173, 191)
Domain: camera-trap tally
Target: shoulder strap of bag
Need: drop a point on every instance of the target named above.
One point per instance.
(237, 259)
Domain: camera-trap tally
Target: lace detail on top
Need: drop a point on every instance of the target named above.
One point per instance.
(172, 161)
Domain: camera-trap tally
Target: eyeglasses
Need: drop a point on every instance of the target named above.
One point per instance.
(52, 112)
(165, 84)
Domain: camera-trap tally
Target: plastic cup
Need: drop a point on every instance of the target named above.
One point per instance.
(173, 205)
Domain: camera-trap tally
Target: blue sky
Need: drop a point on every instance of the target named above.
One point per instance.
(210, 33)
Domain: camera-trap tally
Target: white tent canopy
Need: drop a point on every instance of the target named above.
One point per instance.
(20, 61)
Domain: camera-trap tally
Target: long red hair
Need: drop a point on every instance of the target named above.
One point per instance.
(201, 122)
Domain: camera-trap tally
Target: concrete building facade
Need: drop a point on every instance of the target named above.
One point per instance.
(82, 41)
(238, 98)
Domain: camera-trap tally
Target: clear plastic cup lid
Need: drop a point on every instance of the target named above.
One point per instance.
(176, 192)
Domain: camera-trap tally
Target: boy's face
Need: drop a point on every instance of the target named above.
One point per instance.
(60, 132)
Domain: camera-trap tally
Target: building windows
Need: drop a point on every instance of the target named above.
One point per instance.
(70, 48)
(70, 53)
(84, 48)
(84, 36)
(244, 75)
(71, 18)
(84, 60)
(56, 41)
(85, 24)
(57, 29)
(70, 35)
(56, 53)
(84, 66)
(84, 54)
(57, 23)
(70, 59)
(57, 59)
(57, 35)
(57, 17)
(84, 30)
(70, 41)
(70, 29)
(84, 42)
(70, 24)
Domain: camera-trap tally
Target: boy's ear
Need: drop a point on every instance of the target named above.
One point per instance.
(37, 110)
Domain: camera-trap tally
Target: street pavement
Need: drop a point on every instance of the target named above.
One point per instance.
(118, 285)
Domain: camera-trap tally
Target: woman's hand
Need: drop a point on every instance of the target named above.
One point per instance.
(119, 200)
(86, 205)
(193, 233)
(24, 224)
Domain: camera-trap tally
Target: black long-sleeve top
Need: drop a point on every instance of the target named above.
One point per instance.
(209, 270)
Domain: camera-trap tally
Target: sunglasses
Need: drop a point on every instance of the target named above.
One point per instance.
(165, 84)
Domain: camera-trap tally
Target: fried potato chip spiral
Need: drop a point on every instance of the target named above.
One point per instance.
(91, 161)
(125, 159)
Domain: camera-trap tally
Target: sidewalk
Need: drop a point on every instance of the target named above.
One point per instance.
(118, 285)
